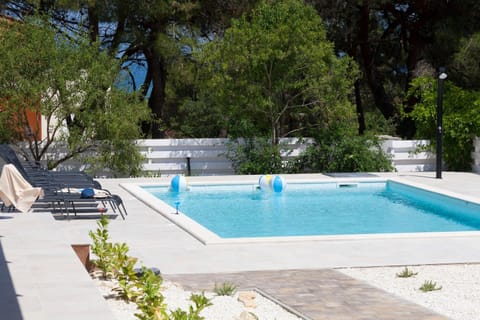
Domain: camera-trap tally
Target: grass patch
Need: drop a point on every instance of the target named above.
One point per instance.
(225, 289)
(406, 273)
(429, 285)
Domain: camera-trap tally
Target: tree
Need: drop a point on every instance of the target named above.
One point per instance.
(148, 35)
(390, 40)
(461, 119)
(465, 69)
(274, 74)
(74, 85)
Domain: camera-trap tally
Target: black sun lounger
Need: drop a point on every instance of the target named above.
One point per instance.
(61, 189)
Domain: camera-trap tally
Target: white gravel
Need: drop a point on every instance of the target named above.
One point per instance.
(458, 299)
(223, 308)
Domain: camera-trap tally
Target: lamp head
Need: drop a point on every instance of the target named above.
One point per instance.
(441, 73)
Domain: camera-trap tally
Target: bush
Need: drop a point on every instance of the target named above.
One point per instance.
(429, 285)
(145, 289)
(406, 273)
(461, 120)
(225, 289)
(102, 248)
(255, 156)
(336, 151)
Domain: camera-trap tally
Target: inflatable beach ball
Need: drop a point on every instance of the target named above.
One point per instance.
(278, 184)
(178, 183)
(264, 182)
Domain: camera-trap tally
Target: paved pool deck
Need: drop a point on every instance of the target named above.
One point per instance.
(41, 278)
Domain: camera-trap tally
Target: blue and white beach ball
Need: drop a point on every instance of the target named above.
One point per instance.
(264, 182)
(278, 184)
(178, 183)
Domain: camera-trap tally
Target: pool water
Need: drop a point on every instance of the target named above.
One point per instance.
(238, 211)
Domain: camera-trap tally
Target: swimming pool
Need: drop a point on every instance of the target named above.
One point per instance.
(314, 209)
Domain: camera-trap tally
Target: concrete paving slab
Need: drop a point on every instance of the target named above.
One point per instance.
(40, 274)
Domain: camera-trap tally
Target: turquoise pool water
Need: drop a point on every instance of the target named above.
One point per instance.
(238, 211)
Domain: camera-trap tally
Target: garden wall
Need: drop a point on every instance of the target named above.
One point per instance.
(207, 156)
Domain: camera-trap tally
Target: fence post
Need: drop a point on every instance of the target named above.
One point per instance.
(189, 169)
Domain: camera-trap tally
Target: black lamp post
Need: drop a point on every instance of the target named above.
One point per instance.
(441, 77)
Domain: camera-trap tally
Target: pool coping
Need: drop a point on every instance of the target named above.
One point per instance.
(208, 237)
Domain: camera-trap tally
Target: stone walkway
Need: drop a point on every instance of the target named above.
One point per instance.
(316, 294)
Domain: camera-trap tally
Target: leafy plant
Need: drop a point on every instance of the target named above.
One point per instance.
(406, 273)
(254, 156)
(102, 248)
(150, 301)
(429, 285)
(124, 271)
(337, 149)
(144, 289)
(225, 289)
(200, 302)
(461, 119)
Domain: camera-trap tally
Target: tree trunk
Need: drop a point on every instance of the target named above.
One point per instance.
(381, 98)
(93, 22)
(156, 101)
(360, 113)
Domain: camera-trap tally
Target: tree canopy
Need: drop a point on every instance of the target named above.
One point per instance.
(73, 84)
(274, 73)
(391, 41)
(276, 67)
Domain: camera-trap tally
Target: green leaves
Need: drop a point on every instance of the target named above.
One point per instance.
(73, 83)
(461, 119)
(225, 289)
(255, 156)
(338, 150)
(429, 285)
(143, 288)
(406, 273)
(102, 248)
(273, 65)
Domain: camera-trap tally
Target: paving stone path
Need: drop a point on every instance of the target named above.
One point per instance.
(316, 294)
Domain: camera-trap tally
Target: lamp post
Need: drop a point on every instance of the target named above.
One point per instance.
(441, 77)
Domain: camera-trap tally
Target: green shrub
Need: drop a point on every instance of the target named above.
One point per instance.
(255, 156)
(200, 302)
(145, 290)
(378, 125)
(150, 301)
(225, 289)
(339, 151)
(124, 272)
(102, 248)
(406, 273)
(461, 119)
(429, 285)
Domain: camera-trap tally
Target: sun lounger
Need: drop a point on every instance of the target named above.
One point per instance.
(59, 188)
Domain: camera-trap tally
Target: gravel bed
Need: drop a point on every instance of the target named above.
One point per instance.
(458, 299)
(223, 308)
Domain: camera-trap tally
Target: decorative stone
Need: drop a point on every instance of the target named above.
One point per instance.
(247, 298)
(139, 271)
